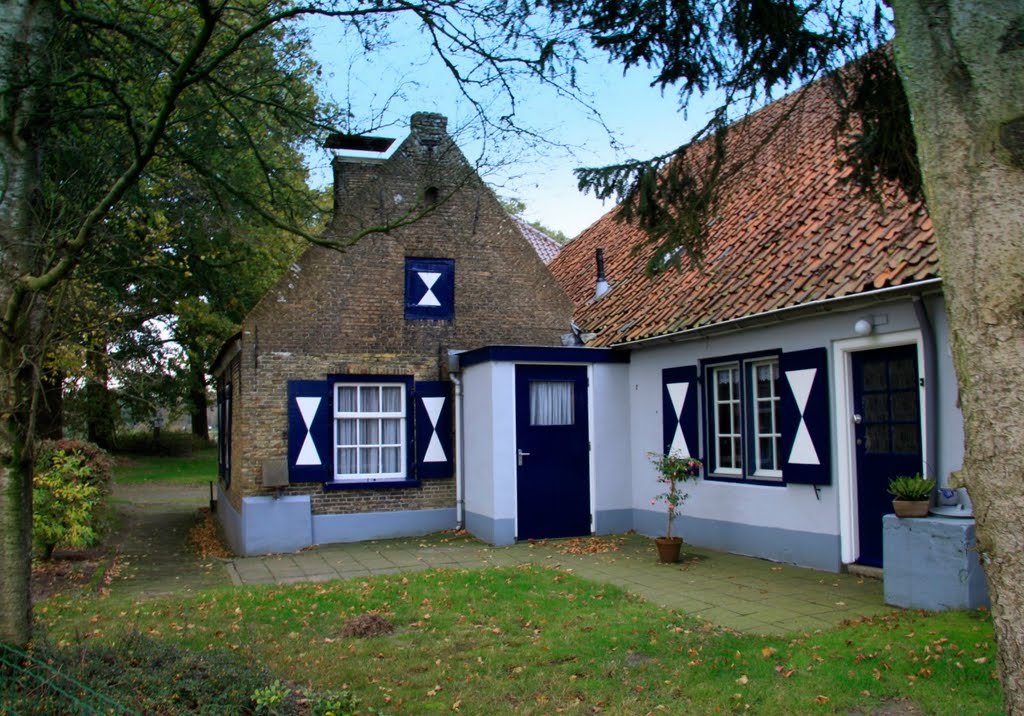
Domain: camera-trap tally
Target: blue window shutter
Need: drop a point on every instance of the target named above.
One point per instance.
(310, 443)
(679, 412)
(806, 417)
(429, 289)
(433, 429)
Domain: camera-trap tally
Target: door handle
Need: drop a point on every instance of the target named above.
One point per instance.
(857, 419)
(520, 455)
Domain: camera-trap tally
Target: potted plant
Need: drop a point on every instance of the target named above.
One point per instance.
(673, 469)
(911, 495)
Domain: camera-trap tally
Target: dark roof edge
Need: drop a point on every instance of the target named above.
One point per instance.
(841, 303)
(232, 346)
(541, 354)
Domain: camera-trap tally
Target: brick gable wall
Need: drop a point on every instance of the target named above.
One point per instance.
(342, 312)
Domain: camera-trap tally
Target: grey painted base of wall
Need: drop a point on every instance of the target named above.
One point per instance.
(932, 563)
(492, 531)
(805, 549)
(230, 521)
(609, 522)
(268, 525)
(329, 529)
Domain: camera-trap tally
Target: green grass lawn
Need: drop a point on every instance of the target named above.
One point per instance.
(535, 641)
(198, 468)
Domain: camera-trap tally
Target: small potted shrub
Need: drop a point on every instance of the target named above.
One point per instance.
(911, 495)
(673, 469)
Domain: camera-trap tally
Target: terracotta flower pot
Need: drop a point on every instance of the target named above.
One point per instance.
(668, 548)
(910, 508)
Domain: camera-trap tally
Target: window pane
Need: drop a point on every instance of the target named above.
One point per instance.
(392, 399)
(766, 453)
(347, 431)
(737, 460)
(905, 439)
(391, 431)
(724, 418)
(765, 415)
(767, 375)
(391, 459)
(876, 408)
(551, 402)
(904, 406)
(369, 400)
(903, 373)
(874, 375)
(369, 432)
(346, 399)
(877, 438)
(347, 461)
(369, 461)
(735, 417)
(725, 456)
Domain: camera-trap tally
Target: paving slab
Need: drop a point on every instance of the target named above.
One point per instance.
(741, 593)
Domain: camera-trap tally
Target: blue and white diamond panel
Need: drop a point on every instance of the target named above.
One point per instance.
(308, 454)
(803, 452)
(435, 451)
(677, 395)
(429, 289)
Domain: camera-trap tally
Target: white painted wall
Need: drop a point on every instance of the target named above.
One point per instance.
(796, 507)
(478, 440)
(489, 439)
(610, 438)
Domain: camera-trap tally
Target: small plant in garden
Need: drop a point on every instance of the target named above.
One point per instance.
(674, 469)
(332, 703)
(64, 504)
(912, 489)
(269, 699)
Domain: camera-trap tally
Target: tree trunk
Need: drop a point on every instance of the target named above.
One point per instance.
(100, 407)
(26, 27)
(962, 63)
(197, 400)
(50, 420)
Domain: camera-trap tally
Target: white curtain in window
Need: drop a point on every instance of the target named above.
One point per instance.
(392, 400)
(551, 402)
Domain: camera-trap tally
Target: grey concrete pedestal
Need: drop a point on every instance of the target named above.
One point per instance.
(931, 563)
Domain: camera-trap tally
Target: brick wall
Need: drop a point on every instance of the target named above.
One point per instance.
(342, 311)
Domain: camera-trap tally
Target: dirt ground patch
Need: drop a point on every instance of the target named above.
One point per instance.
(69, 569)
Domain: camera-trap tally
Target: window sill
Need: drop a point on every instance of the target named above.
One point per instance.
(740, 480)
(370, 484)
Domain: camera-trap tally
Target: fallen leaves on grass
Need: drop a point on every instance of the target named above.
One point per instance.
(367, 625)
(204, 537)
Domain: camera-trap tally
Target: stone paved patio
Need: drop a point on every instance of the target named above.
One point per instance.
(741, 593)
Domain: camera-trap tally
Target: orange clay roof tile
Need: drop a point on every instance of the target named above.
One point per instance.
(787, 230)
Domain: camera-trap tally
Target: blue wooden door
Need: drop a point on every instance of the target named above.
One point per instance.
(887, 428)
(552, 452)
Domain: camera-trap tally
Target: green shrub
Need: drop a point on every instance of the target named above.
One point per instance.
(93, 456)
(66, 502)
(168, 443)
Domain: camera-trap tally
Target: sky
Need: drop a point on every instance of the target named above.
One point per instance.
(398, 79)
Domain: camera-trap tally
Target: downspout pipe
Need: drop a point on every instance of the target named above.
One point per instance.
(931, 391)
(460, 490)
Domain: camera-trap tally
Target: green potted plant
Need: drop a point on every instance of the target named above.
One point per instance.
(911, 495)
(673, 470)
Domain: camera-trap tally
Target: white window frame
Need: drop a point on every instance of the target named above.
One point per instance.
(748, 430)
(776, 434)
(716, 428)
(379, 415)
